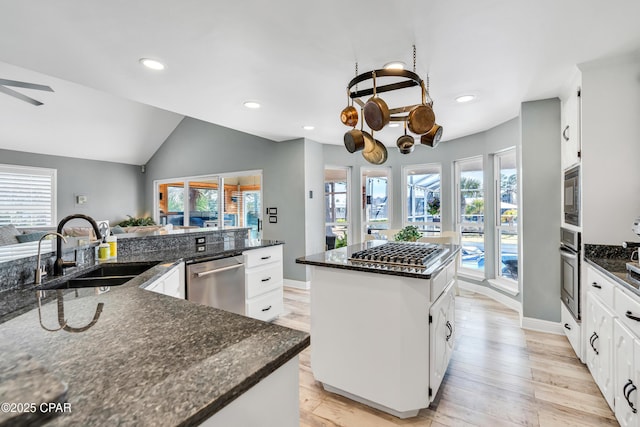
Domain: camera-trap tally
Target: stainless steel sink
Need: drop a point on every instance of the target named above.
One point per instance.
(107, 275)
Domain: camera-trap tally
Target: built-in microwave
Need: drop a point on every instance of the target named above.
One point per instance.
(572, 196)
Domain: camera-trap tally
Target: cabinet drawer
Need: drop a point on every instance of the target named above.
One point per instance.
(440, 281)
(262, 256)
(627, 307)
(572, 330)
(267, 306)
(260, 280)
(599, 285)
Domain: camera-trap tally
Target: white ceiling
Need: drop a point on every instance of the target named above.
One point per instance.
(294, 56)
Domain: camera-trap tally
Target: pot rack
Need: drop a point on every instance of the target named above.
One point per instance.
(411, 79)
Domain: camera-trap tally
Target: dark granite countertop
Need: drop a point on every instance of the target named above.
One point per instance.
(612, 262)
(339, 258)
(149, 359)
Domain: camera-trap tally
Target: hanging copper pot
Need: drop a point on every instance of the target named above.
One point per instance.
(349, 115)
(406, 142)
(378, 155)
(376, 111)
(358, 140)
(421, 118)
(432, 138)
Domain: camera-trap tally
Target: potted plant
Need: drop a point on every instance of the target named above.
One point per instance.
(410, 233)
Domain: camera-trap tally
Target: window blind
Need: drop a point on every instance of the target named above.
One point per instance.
(27, 196)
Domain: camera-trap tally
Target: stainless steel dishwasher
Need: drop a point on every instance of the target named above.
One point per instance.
(218, 283)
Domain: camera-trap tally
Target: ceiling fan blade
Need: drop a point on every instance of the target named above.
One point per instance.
(15, 83)
(15, 94)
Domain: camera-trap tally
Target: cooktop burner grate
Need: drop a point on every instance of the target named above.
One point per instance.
(416, 256)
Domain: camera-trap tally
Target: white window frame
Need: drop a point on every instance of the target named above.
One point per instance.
(405, 214)
(363, 169)
(52, 174)
(348, 222)
(506, 284)
(464, 271)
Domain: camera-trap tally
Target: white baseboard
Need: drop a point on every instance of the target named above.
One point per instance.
(541, 325)
(298, 284)
(493, 294)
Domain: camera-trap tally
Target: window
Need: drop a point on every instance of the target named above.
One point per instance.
(200, 200)
(376, 200)
(470, 213)
(423, 197)
(336, 206)
(27, 196)
(506, 178)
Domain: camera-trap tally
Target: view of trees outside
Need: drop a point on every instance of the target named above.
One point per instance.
(376, 208)
(423, 197)
(335, 207)
(471, 211)
(507, 226)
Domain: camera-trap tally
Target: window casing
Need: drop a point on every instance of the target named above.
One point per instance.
(506, 208)
(423, 197)
(27, 196)
(376, 199)
(337, 190)
(470, 207)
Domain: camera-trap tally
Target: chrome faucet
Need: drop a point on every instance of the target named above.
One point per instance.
(40, 270)
(60, 264)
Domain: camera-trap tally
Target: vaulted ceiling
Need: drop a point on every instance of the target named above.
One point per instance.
(295, 57)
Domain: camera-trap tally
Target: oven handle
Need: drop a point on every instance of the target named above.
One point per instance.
(218, 270)
(568, 254)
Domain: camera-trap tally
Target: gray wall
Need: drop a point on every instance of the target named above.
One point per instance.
(199, 148)
(114, 190)
(540, 183)
(610, 149)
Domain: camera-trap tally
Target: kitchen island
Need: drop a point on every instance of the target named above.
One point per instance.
(383, 332)
(148, 359)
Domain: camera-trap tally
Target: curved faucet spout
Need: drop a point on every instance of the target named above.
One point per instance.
(58, 267)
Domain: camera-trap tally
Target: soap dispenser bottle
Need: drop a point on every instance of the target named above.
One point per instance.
(103, 250)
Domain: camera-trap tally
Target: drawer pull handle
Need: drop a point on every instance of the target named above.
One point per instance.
(627, 394)
(448, 324)
(631, 316)
(567, 327)
(265, 257)
(266, 280)
(595, 285)
(592, 341)
(266, 309)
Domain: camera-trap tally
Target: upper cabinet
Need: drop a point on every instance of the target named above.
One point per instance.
(570, 138)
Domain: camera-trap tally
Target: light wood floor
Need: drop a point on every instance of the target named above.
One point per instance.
(499, 375)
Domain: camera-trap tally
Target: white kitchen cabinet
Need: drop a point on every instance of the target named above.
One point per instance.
(571, 125)
(599, 332)
(171, 283)
(264, 292)
(442, 316)
(626, 375)
(573, 330)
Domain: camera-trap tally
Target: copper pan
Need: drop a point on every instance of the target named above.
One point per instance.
(359, 140)
(421, 118)
(406, 142)
(432, 138)
(376, 111)
(378, 155)
(349, 115)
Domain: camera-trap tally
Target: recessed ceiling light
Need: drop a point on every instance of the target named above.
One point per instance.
(252, 104)
(394, 125)
(465, 98)
(394, 65)
(152, 64)
(308, 127)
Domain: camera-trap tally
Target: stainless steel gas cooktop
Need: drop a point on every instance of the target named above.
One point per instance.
(400, 256)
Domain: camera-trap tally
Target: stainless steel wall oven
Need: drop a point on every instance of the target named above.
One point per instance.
(570, 270)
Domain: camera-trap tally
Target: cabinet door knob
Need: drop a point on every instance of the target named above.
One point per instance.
(627, 394)
(448, 324)
(266, 280)
(595, 285)
(566, 326)
(592, 341)
(266, 309)
(565, 133)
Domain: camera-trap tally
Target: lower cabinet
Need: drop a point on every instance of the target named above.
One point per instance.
(171, 283)
(263, 281)
(599, 328)
(627, 352)
(442, 315)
